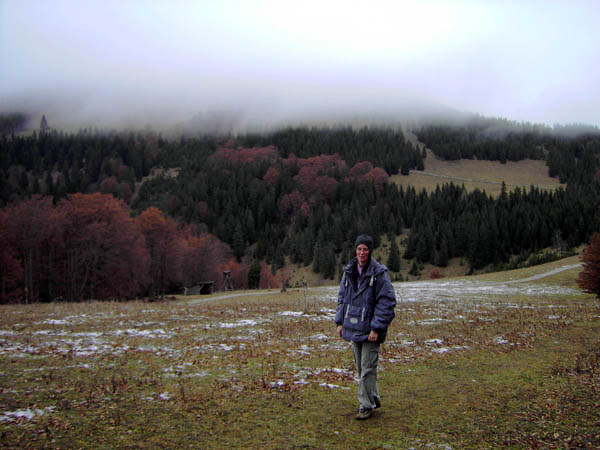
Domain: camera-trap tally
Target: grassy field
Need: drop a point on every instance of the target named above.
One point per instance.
(483, 175)
(470, 363)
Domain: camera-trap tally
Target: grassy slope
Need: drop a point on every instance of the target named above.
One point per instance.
(541, 390)
(484, 175)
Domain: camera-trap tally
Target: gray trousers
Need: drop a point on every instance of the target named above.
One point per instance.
(366, 356)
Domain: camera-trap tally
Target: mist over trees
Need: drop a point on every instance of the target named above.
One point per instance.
(571, 152)
(123, 215)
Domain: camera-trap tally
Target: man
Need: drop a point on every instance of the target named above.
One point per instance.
(365, 309)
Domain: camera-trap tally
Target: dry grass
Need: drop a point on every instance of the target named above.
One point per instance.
(483, 175)
(483, 370)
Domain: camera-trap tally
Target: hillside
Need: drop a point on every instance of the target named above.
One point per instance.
(474, 174)
(280, 206)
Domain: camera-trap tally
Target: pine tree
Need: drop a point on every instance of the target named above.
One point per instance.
(254, 274)
(414, 269)
(43, 123)
(328, 262)
(394, 257)
(441, 255)
(238, 242)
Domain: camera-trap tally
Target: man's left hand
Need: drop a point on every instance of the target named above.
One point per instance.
(373, 336)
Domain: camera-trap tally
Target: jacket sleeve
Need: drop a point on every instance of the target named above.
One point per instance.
(384, 305)
(339, 312)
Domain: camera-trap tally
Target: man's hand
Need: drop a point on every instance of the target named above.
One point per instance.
(339, 330)
(373, 336)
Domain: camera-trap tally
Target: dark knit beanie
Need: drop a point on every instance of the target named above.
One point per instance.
(366, 240)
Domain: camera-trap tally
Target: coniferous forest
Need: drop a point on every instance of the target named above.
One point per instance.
(117, 215)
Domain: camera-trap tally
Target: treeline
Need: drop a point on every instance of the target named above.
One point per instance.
(296, 195)
(311, 209)
(89, 247)
(56, 164)
(486, 230)
(383, 147)
(571, 152)
(13, 122)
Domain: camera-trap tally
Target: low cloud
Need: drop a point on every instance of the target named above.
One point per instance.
(256, 65)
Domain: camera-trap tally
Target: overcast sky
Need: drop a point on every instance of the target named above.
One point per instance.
(148, 61)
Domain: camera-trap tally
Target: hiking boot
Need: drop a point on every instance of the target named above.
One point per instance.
(364, 413)
(377, 402)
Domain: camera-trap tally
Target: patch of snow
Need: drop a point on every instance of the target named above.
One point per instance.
(156, 333)
(165, 396)
(239, 323)
(27, 414)
(459, 290)
(55, 322)
(319, 336)
(434, 321)
(329, 385)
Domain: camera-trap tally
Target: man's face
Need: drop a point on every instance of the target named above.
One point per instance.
(362, 254)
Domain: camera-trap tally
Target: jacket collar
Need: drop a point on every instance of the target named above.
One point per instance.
(374, 267)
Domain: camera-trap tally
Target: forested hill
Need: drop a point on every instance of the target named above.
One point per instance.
(255, 203)
(571, 152)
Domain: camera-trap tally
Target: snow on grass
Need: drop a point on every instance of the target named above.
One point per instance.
(459, 290)
(291, 313)
(239, 323)
(26, 414)
(151, 334)
(213, 342)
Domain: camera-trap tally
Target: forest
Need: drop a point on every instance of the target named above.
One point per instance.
(118, 215)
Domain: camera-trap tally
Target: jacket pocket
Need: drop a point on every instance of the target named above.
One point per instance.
(356, 318)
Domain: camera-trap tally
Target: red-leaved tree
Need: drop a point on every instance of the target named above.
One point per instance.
(267, 279)
(589, 277)
(28, 225)
(99, 252)
(203, 258)
(163, 248)
(11, 270)
(360, 168)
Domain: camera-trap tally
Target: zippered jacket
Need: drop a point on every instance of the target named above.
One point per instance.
(366, 304)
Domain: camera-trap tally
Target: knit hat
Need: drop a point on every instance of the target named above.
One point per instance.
(366, 240)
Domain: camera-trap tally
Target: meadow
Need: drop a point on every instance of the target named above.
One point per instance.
(470, 363)
(483, 175)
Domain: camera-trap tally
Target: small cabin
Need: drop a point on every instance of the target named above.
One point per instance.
(202, 288)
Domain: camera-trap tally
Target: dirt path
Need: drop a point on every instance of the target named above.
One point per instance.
(545, 274)
(318, 289)
(224, 296)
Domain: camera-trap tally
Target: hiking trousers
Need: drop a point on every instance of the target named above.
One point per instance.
(366, 356)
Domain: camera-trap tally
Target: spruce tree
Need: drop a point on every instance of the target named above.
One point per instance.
(43, 123)
(394, 258)
(238, 242)
(441, 255)
(414, 269)
(254, 274)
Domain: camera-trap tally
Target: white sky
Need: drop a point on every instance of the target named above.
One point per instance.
(126, 60)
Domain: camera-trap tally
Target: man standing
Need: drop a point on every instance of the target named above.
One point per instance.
(365, 309)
